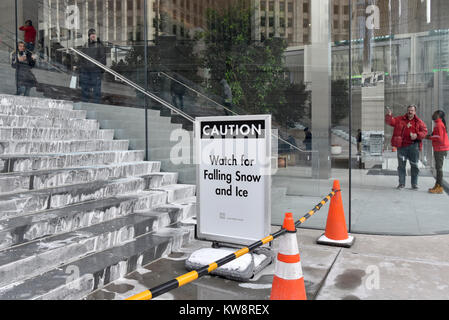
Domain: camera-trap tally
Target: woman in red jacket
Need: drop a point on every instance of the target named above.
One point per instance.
(440, 144)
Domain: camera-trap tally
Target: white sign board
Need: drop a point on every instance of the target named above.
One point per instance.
(233, 178)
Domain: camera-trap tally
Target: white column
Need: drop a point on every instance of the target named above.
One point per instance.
(150, 18)
(95, 15)
(276, 18)
(58, 27)
(320, 69)
(85, 27)
(134, 20)
(256, 20)
(115, 20)
(106, 20)
(124, 20)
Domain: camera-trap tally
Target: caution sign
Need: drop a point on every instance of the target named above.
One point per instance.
(233, 178)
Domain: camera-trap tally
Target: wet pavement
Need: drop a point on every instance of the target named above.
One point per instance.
(375, 268)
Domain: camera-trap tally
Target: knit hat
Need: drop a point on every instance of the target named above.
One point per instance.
(91, 31)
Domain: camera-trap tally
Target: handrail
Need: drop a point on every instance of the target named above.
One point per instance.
(192, 276)
(218, 104)
(166, 104)
(134, 85)
(42, 58)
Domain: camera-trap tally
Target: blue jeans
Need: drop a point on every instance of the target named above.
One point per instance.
(90, 83)
(410, 153)
(29, 46)
(23, 90)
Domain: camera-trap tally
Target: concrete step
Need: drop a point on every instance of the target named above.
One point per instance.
(11, 100)
(171, 151)
(181, 210)
(50, 134)
(33, 258)
(176, 192)
(42, 112)
(23, 229)
(40, 122)
(154, 124)
(23, 163)
(42, 147)
(164, 133)
(34, 201)
(77, 279)
(38, 180)
(160, 179)
(104, 112)
(160, 141)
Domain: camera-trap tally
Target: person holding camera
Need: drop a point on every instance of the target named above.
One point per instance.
(23, 61)
(409, 131)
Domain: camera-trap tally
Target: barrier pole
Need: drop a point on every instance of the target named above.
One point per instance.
(198, 273)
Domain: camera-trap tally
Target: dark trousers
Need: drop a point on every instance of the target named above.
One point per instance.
(439, 161)
(178, 101)
(23, 90)
(90, 83)
(410, 153)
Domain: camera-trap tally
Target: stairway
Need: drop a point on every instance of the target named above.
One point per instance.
(163, 136)
(78, 209)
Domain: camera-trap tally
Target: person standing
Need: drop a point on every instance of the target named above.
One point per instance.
(408, 133)
(227, 96)
(440, 143)
(178, 91)
(23, 61)
(359, 142)
(90, 74)
(29, 35)
(308, 139)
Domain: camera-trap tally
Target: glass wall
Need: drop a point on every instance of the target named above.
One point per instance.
(324, 69)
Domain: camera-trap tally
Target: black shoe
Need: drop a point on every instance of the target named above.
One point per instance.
(400, 187)
(415, 187)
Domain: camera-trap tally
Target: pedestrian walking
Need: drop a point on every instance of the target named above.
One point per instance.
(178, 91)
(23, 61)
(227, 96)
(90, 74)
(440, 143)
(359, 142)
(308, 139)
(408, 134)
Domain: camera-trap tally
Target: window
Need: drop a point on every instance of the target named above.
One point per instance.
(336, 9)
(305, 7)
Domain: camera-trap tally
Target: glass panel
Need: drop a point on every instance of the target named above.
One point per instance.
(399, 59)
(61, 73)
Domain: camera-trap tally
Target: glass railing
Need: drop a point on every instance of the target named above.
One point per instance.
(156, 112)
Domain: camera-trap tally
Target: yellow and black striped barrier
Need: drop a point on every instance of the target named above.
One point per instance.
(193, 275)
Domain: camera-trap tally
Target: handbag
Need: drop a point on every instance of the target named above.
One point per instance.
(73, 82)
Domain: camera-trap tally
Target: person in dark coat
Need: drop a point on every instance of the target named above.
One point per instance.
(308, 139)
(177, 92)
(23, 61)
(90, 74)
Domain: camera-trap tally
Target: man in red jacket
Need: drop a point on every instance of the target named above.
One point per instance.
(30, 35)
(409, 131)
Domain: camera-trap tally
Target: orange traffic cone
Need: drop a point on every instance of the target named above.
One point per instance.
(288, 281)
(336, 233)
